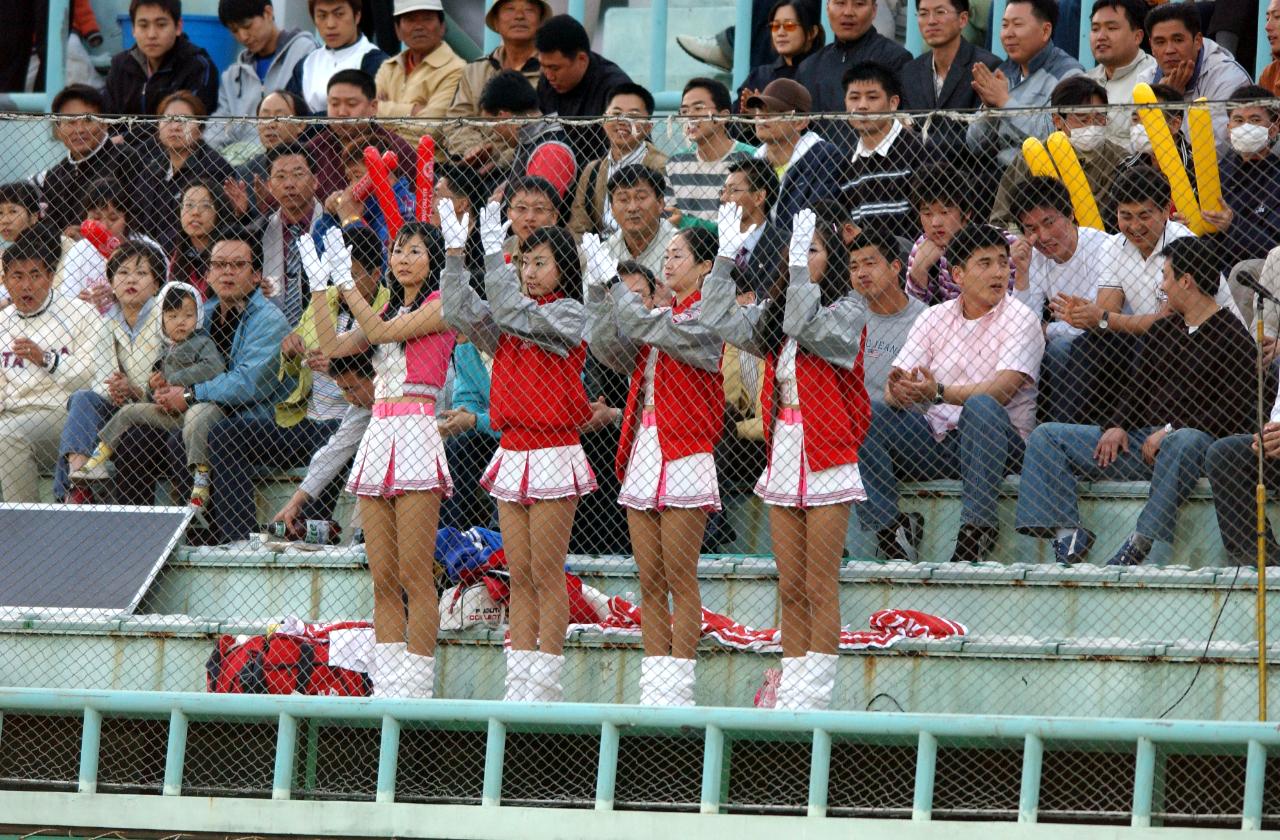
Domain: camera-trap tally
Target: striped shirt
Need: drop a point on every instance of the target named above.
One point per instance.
(695, 184)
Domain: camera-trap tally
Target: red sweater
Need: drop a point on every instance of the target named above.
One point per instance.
(834, 407)
(537, 399)
(688, 402)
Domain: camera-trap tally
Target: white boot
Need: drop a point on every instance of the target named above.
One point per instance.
(820, 679)
(791, 691)
(385, 672)
(419, 676)
(519, 664)
(653, 674)
(680, 681)
(544, 678)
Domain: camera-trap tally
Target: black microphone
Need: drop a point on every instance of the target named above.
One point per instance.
(1257, 288)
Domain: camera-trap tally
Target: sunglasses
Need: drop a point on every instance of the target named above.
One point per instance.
(784, 26)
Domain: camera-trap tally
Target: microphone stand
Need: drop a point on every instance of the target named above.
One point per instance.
(1260, 295)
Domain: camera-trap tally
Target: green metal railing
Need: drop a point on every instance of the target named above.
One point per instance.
(717, 727)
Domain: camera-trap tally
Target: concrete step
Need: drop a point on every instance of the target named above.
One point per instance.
(990, 598)
(984, 673)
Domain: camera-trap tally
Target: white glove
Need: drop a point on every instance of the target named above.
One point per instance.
(338, 256)
(732, 236)
(314, 267)
(452, 228)
(493, 230)
(802, 227)
(602, 266)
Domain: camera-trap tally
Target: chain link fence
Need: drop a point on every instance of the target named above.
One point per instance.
(904, 415)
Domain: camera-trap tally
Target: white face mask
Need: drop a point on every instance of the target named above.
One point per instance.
(1087, 138)
(1138, 139)
(1249, 139)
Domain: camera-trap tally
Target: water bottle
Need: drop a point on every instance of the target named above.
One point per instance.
(312, 531)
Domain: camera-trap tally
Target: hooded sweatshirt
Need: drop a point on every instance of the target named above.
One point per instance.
(240, 91)
(196, 358)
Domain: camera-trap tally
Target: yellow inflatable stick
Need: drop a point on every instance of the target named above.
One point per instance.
(1038, 160)
(1166, 154)
(1077, 184)
(1204, 153)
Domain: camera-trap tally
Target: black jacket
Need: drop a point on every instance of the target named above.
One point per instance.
(821, 73)
(588, 99)
(159, 196)
(186, 67)
(62, 186)
(764, 262)
(945, 135)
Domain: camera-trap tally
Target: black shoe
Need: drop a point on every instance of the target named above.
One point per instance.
(901, 541)
(974, 543)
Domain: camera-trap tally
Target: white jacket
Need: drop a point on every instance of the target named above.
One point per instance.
(74, 337)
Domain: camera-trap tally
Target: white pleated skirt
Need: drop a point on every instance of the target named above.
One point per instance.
(688, 482)
(528, 476)
(401, 452)
(787, 480)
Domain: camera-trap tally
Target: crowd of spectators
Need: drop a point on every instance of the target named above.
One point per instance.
(1001, 336)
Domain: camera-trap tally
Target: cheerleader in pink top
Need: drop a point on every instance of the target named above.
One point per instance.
(399, 473)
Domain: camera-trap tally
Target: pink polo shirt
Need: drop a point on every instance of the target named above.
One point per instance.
(960, 351)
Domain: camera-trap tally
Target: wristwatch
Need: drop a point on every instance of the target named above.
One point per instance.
(938, 398)
(190, 396)
(1104, 321)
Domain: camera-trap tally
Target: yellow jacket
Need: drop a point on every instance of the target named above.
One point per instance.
(293, 409)
(431, 85)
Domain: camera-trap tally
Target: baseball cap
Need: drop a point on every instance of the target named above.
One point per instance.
(781, 96)
(491, 16)
(403, 7)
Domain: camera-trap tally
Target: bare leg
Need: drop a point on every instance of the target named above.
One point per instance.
(825, 545)
(787, 526)
(550, 524)
(646, 545)
(682, 531)
(513, 520)
(380, 546)
(417, 515)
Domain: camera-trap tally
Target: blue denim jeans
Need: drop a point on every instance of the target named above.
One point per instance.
(901, 447)
(1062, 381)
(1231, 465)
(87, 412)
(1058, 454)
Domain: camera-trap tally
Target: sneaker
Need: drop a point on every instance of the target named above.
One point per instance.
(92, 471)
(974, 543)
(1132, 553)
(1073, 548)
(902, 540)
(199, 505)
(706, 49)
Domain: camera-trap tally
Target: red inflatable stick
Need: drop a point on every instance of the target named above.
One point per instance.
(380, 174)
(363, 188)
(425, 193)
(99, 237)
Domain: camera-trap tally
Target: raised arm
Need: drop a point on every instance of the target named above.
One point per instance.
(461, 306)
(318, 271)
(685, 337)
(556, 326)
(734, 324)
(609, 346)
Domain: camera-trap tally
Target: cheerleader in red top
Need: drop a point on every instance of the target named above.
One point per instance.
(673, 418)
(538, 403)
(816, 413)
(399, 474)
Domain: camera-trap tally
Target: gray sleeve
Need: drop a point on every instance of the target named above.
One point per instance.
(609, 346)
(556, 327)
(734, 324)
(462, 307)
(689, 340)
(336, 452)
(831, 332)
(198, 360)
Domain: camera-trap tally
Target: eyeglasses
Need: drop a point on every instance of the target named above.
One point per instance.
(229, 265)
(783, 26)
(695, 108)
(928, 14)
(729, 192)
(197, 206)
(525, 209)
